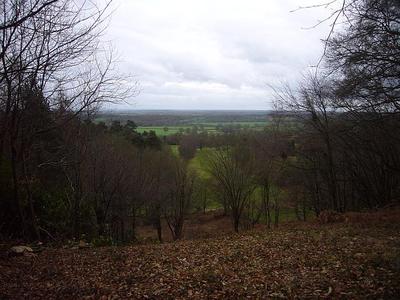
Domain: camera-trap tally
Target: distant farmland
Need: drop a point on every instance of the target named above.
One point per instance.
(183, 117)
(208, 127)
(168, 130)
(169, 122)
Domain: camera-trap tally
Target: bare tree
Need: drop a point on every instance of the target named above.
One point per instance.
(188, 146)
(360, 72)
(144, 186)
(271, 150)
(233, 169)
(314, 103)
(72, 162)
(364, 57)
(107, 175)
(202, 194)
(17, 17)
(159, 169)
(179, 197)
(51, 48)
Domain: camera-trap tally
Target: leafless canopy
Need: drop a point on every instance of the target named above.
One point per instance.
(54, 46)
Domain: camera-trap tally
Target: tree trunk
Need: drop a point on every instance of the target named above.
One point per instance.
(204, 202)
(35, 226)
(134, 238)
(100, 222)
(225, 204)
(266, 199)
(76, 215)
(276, 217)
(236, 224)
(15, 182)
(159, 229)
(297, 212)
(332, 182)
(236, 219)
(177, 233)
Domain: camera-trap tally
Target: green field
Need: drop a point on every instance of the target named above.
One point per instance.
(169, 130)
(201, 127)
(198, 165)
(243, 124)
(198, 162)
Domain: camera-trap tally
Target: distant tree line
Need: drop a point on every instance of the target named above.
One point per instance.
(183, 118)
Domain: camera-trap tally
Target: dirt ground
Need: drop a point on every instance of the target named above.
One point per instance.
(198, 225)
(356, 259)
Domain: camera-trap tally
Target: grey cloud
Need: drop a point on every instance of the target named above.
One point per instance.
(199, 54)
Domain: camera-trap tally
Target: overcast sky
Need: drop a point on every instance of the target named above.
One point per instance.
(219, 54)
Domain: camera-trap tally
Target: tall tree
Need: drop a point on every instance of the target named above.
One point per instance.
(179, 197)
(49, 49)
(233, 169)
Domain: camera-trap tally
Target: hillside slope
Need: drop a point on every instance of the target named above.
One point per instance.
(356, 260)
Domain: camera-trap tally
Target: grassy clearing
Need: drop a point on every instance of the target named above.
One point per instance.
(198, 163)
(288, 214)
(347, 260)
(175, 149)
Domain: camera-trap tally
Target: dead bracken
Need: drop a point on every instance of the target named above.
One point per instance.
(342, 260)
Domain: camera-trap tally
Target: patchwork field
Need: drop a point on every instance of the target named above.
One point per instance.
(169, 130)
(208, 127)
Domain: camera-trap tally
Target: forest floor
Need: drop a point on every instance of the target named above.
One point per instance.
(211, 224)
(359, 258)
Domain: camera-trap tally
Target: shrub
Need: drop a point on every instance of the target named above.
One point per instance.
(330, 216)
(102, 241)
